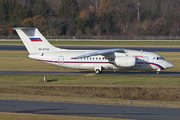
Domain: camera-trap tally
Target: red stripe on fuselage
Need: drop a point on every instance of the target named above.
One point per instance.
(74, 62)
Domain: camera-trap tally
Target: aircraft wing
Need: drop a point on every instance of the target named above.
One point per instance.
(98, 52)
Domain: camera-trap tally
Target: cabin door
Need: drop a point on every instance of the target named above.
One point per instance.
(61, 60)
(146, 60)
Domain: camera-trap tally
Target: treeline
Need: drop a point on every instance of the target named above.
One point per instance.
(92, 17)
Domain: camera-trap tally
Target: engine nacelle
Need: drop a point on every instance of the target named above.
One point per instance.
(125, 61)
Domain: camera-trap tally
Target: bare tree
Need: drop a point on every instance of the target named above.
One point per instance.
(164, 6)
(138, 7)
(124, 28)
(94, 6)
(96, 3)
(169, 6)
(138, 10)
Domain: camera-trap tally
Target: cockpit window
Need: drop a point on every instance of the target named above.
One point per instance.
(160, 58)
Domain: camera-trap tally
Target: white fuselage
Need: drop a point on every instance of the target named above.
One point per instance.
(144, 60)
(112, 59)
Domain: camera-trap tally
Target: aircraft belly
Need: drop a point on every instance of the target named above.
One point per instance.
(73, 66)
(92, 66)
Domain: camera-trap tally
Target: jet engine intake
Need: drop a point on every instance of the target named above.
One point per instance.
(127, 61)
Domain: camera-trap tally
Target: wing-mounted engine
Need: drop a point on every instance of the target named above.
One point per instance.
(126, 61)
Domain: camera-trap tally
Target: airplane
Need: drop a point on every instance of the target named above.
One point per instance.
(98, 60)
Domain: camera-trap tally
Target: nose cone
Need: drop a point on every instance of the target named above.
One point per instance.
(169, 65)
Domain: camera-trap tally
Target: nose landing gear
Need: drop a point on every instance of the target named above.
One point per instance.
(157, 72)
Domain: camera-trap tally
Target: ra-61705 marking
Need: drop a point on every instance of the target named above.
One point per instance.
(43, 48)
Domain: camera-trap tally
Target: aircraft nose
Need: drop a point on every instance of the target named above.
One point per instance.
(169, 65)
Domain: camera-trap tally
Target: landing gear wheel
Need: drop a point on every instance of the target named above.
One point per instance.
(158, 70)
(97, 71)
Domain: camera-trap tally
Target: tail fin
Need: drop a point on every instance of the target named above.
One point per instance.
(34, 41)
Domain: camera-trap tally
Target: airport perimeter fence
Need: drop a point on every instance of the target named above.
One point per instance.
(103, 37)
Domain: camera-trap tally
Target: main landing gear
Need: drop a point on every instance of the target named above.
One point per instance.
(98, 69)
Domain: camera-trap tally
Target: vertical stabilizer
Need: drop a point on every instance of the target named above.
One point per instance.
(34, 41)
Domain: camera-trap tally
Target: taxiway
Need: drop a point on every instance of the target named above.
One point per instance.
(162, 74)
(90, 110)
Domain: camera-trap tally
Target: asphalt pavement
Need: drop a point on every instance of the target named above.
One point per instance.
(162, 74)
(149, 49)
(90, 110)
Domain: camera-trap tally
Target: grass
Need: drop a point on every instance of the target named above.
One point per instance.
(11, 43)
(18, 61)
(18, 116)
(151, 91)
(117, 43)
(105, 43)
(94, 81)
